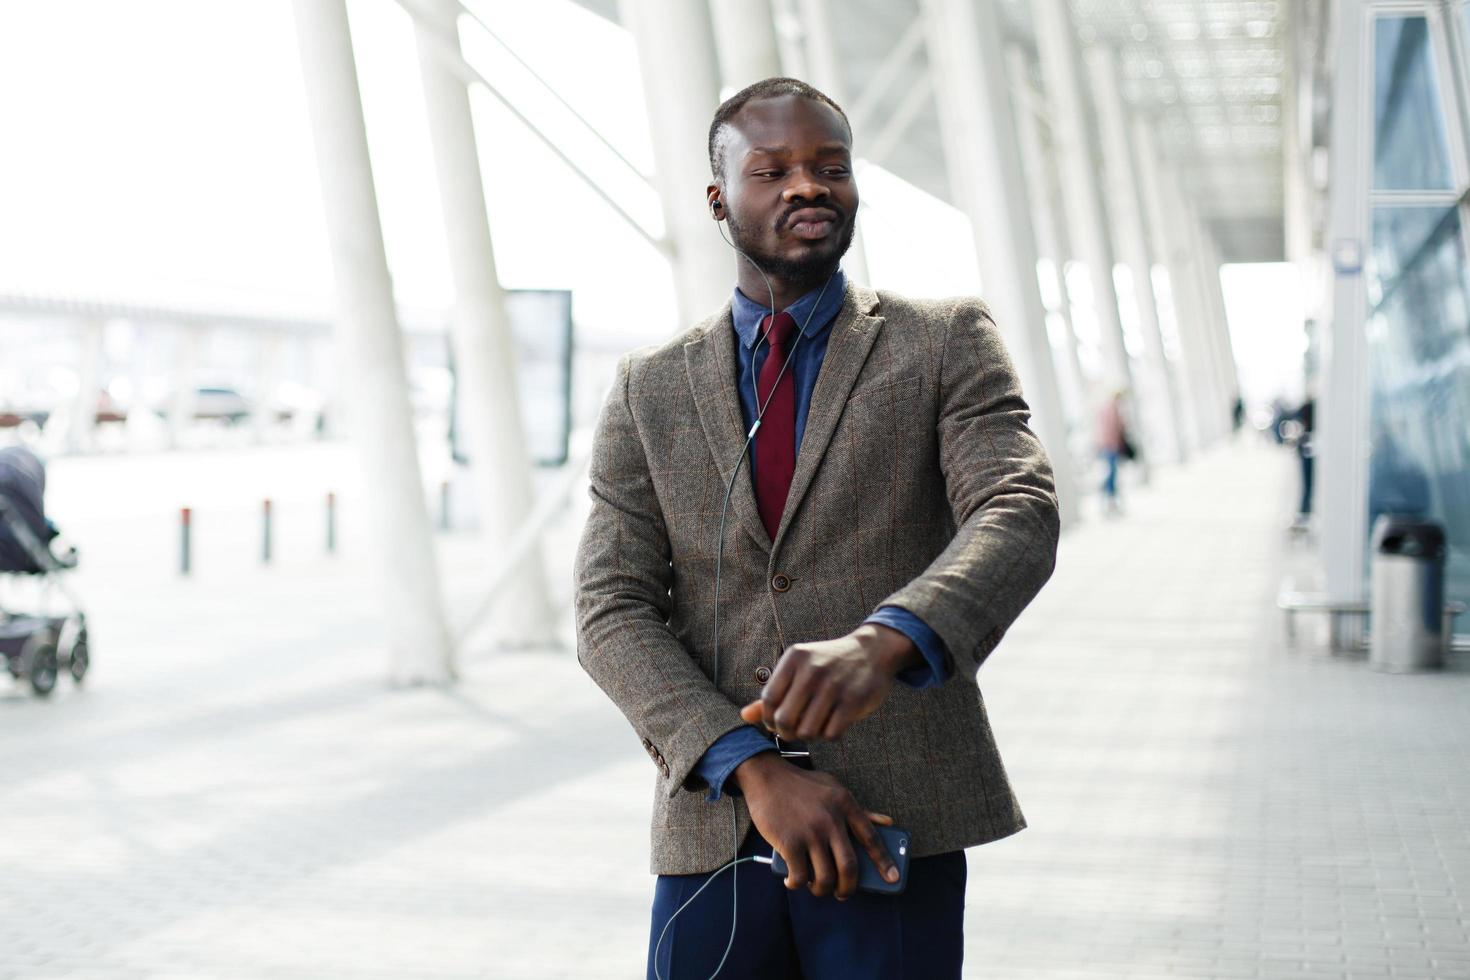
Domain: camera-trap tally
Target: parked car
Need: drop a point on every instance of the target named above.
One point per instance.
(214, 402)
(14, 416)
(220, 403)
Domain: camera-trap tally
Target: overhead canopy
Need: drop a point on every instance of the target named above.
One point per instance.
(1210, 73)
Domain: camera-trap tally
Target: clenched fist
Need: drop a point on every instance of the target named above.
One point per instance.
(820, 690)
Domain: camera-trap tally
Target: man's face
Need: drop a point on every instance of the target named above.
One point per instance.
(789, 194)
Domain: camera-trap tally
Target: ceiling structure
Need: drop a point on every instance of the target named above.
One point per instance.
(1210, 73)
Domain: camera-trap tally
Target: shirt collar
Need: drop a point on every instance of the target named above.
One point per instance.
(748, 313)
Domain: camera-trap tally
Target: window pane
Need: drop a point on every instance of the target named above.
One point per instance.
(1419, 364)
(1409, 148)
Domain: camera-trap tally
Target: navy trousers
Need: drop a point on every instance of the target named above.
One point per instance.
(793, 935)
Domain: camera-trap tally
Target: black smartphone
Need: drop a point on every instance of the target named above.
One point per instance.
(899, 843)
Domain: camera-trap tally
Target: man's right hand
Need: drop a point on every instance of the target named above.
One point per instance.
(807, 817)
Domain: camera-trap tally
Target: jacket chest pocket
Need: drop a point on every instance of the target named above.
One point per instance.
(883, 425)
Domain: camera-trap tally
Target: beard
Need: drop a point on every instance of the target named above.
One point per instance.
(811, 269)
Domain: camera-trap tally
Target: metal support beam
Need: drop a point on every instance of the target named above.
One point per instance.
(453, 60)
(480, 330)
(382, 415)
(547, 87)
(890, 71)
(915, 100)
(979, 135)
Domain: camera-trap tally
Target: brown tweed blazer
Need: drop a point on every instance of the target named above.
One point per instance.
(918, 484)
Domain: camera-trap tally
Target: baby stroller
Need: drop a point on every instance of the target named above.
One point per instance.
(31, 641)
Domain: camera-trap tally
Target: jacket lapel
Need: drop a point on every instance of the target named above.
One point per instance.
(853, 334)
(710, 362)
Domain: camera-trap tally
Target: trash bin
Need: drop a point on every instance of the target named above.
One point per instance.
(1408, 594)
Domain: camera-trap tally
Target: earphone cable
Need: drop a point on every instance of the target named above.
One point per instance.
(719, 556)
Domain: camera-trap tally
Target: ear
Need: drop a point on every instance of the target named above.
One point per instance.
(712, 201)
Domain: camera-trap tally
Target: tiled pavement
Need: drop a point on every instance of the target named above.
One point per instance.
(236, 794)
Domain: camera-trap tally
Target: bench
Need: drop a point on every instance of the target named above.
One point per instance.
(1292, 603)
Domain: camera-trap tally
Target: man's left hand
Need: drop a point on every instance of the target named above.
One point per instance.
(820, 690)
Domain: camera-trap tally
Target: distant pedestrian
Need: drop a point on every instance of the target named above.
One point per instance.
(1281, 415)
(1113, 446)
(1302, 439)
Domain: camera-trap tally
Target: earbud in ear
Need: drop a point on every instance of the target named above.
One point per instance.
(714, 207)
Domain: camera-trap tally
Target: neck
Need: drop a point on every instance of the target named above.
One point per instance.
(787, 289)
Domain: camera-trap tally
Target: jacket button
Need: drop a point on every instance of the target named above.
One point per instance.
(780, 583)
(664, 768)
(763, 674)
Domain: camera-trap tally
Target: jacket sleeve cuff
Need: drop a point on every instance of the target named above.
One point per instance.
(936, 668)
(726, 754)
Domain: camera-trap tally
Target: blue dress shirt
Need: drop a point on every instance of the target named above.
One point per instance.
(814, 314)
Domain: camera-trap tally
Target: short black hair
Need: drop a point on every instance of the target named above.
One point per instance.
(767, 88)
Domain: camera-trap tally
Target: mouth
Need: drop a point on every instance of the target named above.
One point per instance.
(811, 224)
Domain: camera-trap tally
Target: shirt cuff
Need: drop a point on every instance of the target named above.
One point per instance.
(729, 750)
(936, 667)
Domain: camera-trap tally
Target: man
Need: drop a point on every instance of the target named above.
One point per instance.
(899, 543)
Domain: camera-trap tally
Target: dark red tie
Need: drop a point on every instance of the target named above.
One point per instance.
(775, 440)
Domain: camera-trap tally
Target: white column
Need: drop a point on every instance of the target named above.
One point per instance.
(1173, 253)
(979, 137)
(745, 36)
(480, 329)
(1051, 232)
(1296, 137)
(790, 39)
(1081, 186)
(1161, 396)
(1215, 303)
(824, 65)
(367, 327)
(83, 421)
(269, 352)
(1195, 287)
(1226, 341)
(181, 401)
(1341, 498)
(681, 88)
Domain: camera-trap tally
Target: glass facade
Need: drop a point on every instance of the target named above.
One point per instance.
(1418, 325)
(1410, 151)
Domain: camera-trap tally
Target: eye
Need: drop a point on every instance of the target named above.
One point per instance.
(767, 173)
(835, 171)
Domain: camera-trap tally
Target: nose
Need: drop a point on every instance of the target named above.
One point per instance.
(805, 187)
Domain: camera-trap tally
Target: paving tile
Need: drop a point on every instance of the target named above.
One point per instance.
(236, 793)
